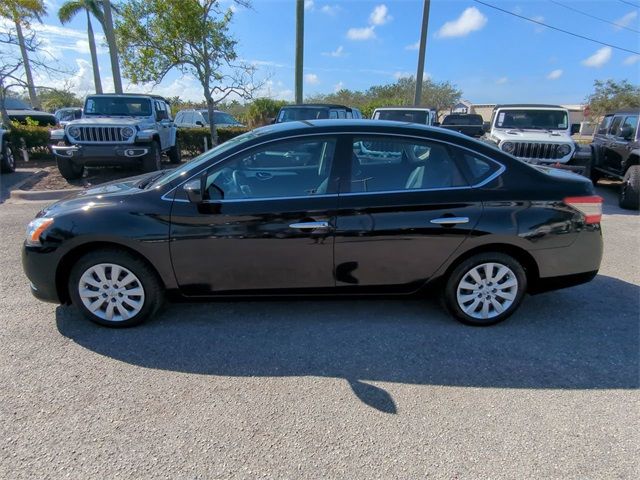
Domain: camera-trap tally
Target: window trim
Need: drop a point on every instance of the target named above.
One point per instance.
(341, 136)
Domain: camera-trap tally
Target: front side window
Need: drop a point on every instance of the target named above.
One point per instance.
(632, 123)
(299, 168)
(604, 125)
(382, 164)
(118, 106)
(533, 119)
(615, 126)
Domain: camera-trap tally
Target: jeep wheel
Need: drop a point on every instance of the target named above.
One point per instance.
(68, 169)
(152, 160)
(7, 160)
(630, 189)
(175, 154)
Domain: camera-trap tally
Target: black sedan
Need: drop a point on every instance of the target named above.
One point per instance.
(322, 207)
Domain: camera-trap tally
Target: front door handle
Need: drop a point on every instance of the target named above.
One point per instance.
(450, 220)
(310, 225)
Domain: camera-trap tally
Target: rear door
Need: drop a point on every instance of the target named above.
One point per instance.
(405, 207)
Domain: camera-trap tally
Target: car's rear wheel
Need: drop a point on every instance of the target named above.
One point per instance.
(630, 189)
(68, 169)
(7, 160)
(152, 161)
(485, 289)
(115, 288)
(175, 154)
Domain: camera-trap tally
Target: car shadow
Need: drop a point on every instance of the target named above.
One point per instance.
(586, 337)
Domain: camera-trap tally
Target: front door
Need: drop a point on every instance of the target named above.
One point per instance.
(266, 224)
(406, 208)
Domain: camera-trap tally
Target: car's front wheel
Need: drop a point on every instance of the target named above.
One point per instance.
(7, 159)
(630, 189)
(485, 289)
(152, 161)
(115, 288)
(175, 153)
(68, 169)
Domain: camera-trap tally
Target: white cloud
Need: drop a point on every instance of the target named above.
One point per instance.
(598, 59)
(469, 21)
(413, 46)
(555, 74)
(380, 15)
(631, 60)
(308, 4)
(538, 28)
(338, 52)
(502, 80)
(399, 75)
(338, 86)
(625, 21)
(311, 79)
(330, 9)
(365, 33)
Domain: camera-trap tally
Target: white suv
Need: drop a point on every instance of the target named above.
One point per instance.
(421, 115)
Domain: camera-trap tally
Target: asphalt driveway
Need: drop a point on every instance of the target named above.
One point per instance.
(364, 388)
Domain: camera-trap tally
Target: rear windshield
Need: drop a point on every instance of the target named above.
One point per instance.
(462, 120)
(412, 116)
(302, 113)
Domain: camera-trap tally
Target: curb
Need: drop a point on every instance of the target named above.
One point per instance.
(39, 195)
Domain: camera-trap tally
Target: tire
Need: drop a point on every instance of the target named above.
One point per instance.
(92, 272)
(7, 160)
(467, 306)
(153, 160)
(68, 169)
(630, 189)
(175, 154)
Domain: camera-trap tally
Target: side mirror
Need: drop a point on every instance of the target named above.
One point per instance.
(194, 190)
(271, 120)
(626, 133)
(575, 128)
(199, 123)
(486, 127)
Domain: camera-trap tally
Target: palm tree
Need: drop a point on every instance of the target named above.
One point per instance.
(70, 9)
(107, 25)
(20, 12)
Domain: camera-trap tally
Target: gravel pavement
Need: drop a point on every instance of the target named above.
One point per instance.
(353, 389)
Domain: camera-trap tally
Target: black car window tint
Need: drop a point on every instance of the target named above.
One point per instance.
(604, 125)
(382, 164)
(476, 168)
(281, 169)
(631, 121)
(615, 126)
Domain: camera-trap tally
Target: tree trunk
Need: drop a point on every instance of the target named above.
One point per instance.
(212, 124)
(94, 55)
(5, 121)
(35, 103)
(113, 48)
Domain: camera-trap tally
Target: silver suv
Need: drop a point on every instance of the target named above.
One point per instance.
(117, 129)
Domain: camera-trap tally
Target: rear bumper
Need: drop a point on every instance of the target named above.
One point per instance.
(101, 154)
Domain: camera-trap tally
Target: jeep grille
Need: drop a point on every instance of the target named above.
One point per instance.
(536, 150)
(100, 134)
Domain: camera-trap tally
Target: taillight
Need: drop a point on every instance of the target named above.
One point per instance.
(590, 207)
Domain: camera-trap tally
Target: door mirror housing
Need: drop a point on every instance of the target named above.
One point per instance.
(199, 123)
(626, 133)
(575, 128)
(194, 190)
(486, 127)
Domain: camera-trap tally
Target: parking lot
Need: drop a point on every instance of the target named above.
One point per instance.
(335, 388)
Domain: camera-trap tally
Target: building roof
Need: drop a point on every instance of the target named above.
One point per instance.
(527, 105)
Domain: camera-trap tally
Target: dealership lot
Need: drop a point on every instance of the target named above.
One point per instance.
(350, 388)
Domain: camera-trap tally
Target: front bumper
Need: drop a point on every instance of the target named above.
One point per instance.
(40, 265)
(101, 154)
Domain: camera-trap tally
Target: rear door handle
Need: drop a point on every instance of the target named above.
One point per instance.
(450, 220)
(310, 225)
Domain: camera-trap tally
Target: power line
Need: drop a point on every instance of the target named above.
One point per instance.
(630, 3)
(593, 16)
(556, 28)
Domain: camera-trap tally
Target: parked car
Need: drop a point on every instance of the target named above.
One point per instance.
(420, 115)
(200, 118)
(312, 111)
(66, 115)
(44, 119)
(7, 160)
(327, 207)
(117, 129)
(536, 134)
(466, 123)
(615, 153)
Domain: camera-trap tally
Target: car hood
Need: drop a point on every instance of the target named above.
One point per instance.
(99, 196)
(531, 136)
(111, 121)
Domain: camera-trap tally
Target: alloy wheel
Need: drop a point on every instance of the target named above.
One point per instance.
(487, 290)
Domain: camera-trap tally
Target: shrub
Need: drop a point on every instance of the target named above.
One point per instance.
(36, 138)
(192, 139)
(261, 110)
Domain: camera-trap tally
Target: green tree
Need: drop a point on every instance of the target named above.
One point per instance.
(70, 9)
(53, 99)
(261, 111)
(191, 36)
(21, 13)
(609, 96)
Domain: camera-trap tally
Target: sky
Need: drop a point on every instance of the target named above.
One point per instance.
(491, 56)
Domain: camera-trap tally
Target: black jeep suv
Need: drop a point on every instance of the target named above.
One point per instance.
(615, 152)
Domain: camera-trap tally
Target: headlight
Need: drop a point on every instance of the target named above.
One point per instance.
(57, 134)
(508, 147)
(36, 228)
(74, 132)
(564, 150)
(127, 132)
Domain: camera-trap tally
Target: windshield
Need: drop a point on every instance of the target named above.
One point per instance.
(205, 157)
(305, 113)
(68, 115)
(462, 120)
(533, 119)
(118, 106)
(220, 118)
(412, 116)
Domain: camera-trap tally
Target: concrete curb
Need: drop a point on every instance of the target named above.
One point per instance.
(40, 195)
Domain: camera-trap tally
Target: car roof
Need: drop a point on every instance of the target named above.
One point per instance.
(199, 110)
(316, 105)
(625, 112)
(157, 97)
(406, 108)
(28, 112)
(528, 105)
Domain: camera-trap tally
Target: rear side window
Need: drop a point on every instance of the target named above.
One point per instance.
(477, 169)
(382, 164)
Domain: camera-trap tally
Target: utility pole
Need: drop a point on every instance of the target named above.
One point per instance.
(299, 48)
(111, 41)
(423, 46)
